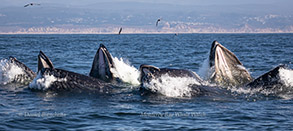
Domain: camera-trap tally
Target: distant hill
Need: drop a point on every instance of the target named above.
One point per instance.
(140, 17)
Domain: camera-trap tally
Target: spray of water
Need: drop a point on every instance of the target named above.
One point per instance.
(204, 70)
(43, 82)
(125, 71)
(172, 86)
(286, 76)
(8, 71)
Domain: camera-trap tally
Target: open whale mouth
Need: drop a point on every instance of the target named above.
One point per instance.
(102, 64)
(226, 67)
(222, 56)
(44, 61)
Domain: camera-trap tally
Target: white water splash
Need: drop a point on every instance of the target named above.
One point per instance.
(204, 70)
(286, 77)
(44, 82)
(8, 71)
(125, 72)
(171, 86)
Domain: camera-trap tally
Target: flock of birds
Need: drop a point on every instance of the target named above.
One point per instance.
(120, 30)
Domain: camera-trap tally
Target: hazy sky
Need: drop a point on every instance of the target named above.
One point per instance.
(184, 2)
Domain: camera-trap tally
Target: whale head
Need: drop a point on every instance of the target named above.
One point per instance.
(44, 61)
(148, 72)
(102, 64)
(27, 76)
(226, 69)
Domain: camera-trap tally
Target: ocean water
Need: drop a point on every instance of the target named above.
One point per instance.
(128, 108)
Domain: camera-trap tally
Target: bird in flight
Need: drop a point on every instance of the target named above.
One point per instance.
(158, 21)
(31, 4)
(120, 31)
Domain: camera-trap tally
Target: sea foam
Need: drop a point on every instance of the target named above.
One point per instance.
(125, 72)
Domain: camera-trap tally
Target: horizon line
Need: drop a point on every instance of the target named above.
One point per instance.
(130, 33)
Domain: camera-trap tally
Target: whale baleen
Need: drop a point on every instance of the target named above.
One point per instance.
(102, 64)
(225, 68)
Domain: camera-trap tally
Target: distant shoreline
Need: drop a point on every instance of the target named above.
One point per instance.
(150, 33)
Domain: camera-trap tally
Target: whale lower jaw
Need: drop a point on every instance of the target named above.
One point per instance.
(233, 76)
(225, 67)
(102, 64)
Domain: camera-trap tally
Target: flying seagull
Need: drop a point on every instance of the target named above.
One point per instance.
(31, 4)
(158, 21)
(120, 31)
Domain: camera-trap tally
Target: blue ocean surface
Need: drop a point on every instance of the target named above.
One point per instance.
(127, 108)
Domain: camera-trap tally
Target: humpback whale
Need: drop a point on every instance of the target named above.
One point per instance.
(194, 85)
(51, 78)
(102, 64)
(149, 72)
(225, 67)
